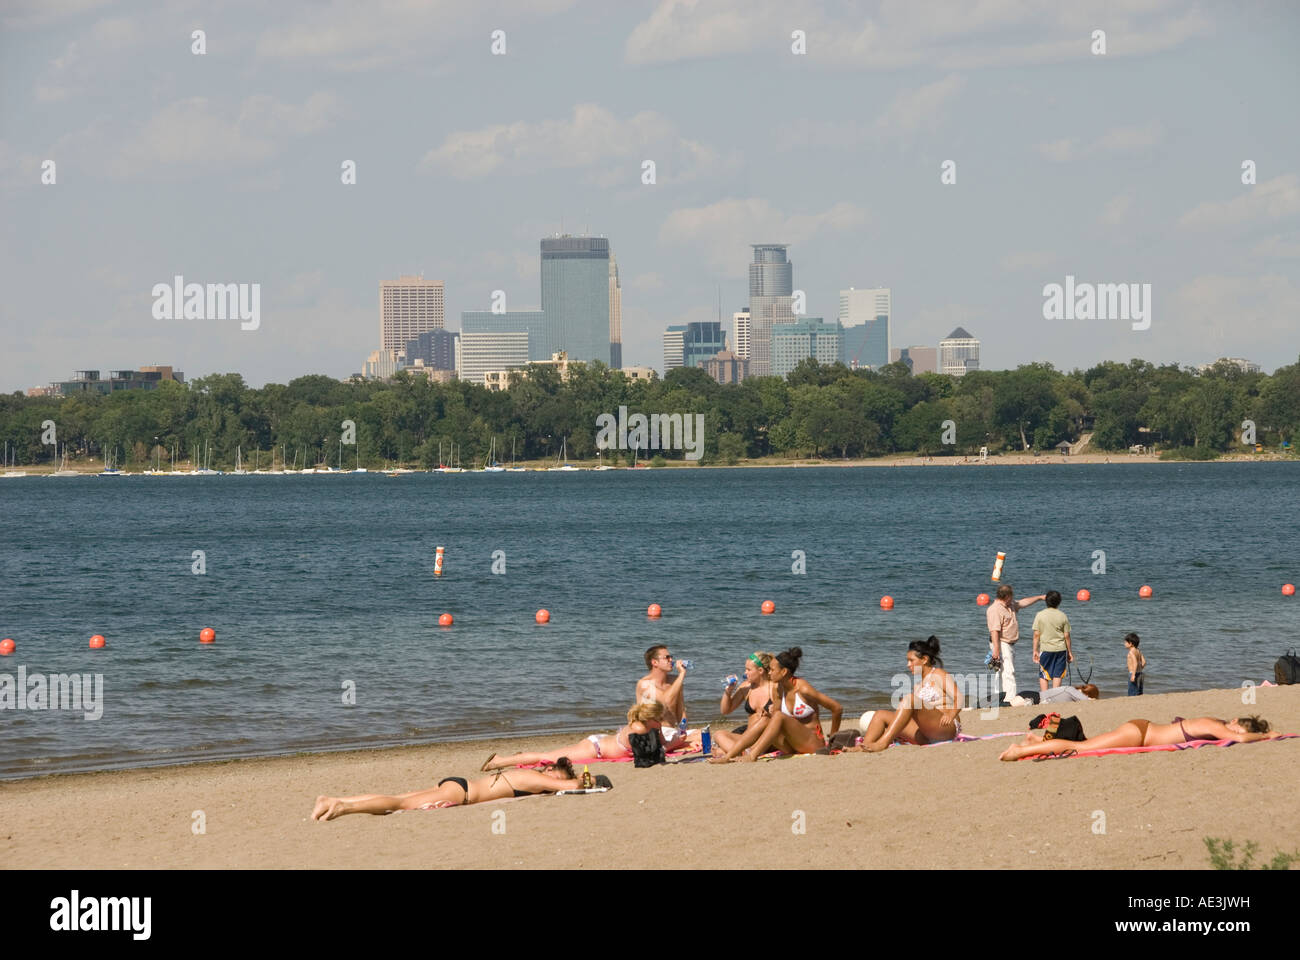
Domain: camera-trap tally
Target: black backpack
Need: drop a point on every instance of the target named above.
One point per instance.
(1287, 668)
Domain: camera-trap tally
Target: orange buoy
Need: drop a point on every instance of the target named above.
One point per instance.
(982, 599)
(1083, 596)
(445, 620)
(207, 635)
(96, 642)
(1144, 591)
(654, 610)
(1288, 589)
(6, 647)
(886, 603)
(768, 607)
(543, 616)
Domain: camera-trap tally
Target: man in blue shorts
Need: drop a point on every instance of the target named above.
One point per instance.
(1052, 642)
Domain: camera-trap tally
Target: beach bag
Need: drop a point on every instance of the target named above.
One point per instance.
(1287, 668)
(1056, 727)
(647, 748)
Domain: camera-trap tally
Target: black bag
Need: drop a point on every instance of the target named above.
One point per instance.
(647, 748)
(1056, 727)
(1287, 668)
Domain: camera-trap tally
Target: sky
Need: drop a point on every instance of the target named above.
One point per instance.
(226, 167)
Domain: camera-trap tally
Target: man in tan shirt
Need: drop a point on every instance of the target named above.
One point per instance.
(1004, 631)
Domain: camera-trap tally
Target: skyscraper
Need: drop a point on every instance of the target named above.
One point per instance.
(437, 348)
(959, 353)
(674, 347)
(408, 308)
(771, 289)
(576, 297)
(481, 353)
(531, 322)
(740, 331)
(701, 340)
(615, 316)
(806, 337)
(865, 317)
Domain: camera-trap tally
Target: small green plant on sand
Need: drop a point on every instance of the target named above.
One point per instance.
(1223, 856)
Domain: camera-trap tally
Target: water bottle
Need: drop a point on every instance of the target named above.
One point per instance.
(681, 728)
(730, 682)
(706, 741)
(686, 664)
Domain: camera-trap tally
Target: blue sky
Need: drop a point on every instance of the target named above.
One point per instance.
(225, 168)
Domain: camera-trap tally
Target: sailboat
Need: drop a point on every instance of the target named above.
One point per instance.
(514, 467)
(564, 456)
(63, 470)
(492, 466)
(9, 467)
(255, 459)
(283, 466)
(109, 469)
(173, 472)
(305, 468)
(239, 461)
(207, 470)
(360, 468)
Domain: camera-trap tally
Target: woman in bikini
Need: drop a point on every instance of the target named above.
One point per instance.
(1144, 733)
(796, 726)
(755, 693)
(929, 714)
(455, 792)
(642, 718)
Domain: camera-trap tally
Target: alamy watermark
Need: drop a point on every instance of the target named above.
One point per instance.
(213, 301)
(659, 431)
(1098, 301)
(57, 691)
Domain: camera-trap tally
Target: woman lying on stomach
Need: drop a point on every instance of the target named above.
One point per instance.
(1144, 733)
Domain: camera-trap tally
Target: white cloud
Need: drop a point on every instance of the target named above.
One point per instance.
(1028, 260)
(1116, 210)
(591, 136)
(1134, 139)
(1278, 247)
(923, 107)
(724, 230)
(24, 14)
(1058, 151)
(1225, 308)
(895, 34)
(1271, 200)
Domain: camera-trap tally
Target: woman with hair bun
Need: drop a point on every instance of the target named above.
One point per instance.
(929, 714)
(795, 724)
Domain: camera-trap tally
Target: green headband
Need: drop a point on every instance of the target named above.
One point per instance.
(757, 662)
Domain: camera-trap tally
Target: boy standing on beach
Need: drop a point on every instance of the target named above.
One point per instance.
(654, 686)
(1137, 664)
(1004, 631)
(1052, 650)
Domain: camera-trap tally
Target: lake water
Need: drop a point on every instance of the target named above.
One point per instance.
(317, 582)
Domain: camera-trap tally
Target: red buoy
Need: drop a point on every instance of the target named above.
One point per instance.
(445, 620)
(6, 647)
(1144, 591)
(1083, 596)
(1288, 589)
(768, 607)
(982, 599)
(886, 603)
(543, 616)
(207, 635)
(654, 610)
(96, 642)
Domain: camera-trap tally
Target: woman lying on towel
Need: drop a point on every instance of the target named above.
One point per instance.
(455, 792)
(929, 714)
(643, 718)
(1144, 733)
(795, 726)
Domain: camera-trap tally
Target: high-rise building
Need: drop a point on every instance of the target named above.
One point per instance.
(408, 308)
(806, 337)
(615, 316)
(674, 347)
(865, 316)
(575, 297)
(918, 359)
(740, 333)
(725, 367)
(531, 322)
(771, 290)
(701, 340)
(959, 353)
(381, 364)
(436, 348)
(482, 352)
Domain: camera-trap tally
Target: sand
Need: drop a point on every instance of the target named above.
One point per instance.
(952, 805)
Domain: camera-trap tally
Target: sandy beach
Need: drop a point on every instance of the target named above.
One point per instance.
(948, 805)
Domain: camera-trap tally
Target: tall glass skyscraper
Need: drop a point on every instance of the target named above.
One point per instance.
(771, 289)
(865, 316)
(531, 322)
(576, 296)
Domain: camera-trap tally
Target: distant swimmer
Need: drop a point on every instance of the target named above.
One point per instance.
(1145, 733)
(455, 792)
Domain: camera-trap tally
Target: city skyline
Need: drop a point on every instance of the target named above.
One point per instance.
(232, 167)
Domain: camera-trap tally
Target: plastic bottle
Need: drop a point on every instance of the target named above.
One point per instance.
(686, 664)
(586, 778)
(730, 682)
(706, 741)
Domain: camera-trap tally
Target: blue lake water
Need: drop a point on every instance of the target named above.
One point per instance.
(313, 582)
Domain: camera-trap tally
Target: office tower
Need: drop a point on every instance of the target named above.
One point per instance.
(674, 347)
(701, 340)
(408, 308)
(725, 367)
(918, 359)
(531, 322)
(381, 365)
(740, 333)
(959, 353)
(575, 297)
(482, 352)
(807, 337)
(615, 316)
(771, 289)
(865, 316)
(437, 348)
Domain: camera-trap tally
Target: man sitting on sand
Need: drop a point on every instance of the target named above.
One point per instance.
(654, 687)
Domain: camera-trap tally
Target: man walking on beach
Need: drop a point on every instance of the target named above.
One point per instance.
(1004, 631)
(654, 686)
(1052, 650)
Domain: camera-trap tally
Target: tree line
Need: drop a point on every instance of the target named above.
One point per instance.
(817, 411)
